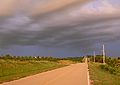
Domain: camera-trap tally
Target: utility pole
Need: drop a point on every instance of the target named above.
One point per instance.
(94, 56)
(103, 54)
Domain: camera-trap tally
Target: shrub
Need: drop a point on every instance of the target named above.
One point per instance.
(110, 69)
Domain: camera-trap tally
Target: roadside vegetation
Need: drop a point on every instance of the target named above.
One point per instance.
(104, 74)
(15, 67)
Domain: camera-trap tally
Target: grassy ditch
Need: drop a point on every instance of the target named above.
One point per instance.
(100, 76)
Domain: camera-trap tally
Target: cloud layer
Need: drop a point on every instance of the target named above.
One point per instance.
(59, 24)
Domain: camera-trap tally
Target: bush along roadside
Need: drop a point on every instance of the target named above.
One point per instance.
(112, 70)
(111, 66)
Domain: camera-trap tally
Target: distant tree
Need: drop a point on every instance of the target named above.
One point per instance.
(8, 56)
(118, 58)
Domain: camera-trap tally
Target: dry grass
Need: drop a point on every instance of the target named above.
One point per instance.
(12, 69)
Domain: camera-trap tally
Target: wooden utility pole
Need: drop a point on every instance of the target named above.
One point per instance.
(94, 56)
(103, 54)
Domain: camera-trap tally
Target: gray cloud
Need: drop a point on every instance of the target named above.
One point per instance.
(73, 27)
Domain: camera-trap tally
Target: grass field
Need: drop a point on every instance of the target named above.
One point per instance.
(15, 69)
(99, 76)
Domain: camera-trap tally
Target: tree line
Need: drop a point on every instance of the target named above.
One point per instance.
(47, 58)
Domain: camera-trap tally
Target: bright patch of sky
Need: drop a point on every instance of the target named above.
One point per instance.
(115, 2)
(102, 7)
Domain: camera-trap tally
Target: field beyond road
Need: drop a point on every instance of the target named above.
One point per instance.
(75, 74)
(12, 70)
(16, 67)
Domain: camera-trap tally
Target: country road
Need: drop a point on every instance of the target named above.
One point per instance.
(76, 74)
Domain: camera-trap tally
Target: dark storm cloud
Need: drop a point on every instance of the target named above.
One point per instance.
(73, 27)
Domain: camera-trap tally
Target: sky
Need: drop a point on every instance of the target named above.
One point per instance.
(59, 27)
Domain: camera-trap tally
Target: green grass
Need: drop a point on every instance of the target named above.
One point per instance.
(15, 69)
(102, 77)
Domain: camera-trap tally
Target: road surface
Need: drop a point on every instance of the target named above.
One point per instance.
(76, 74)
